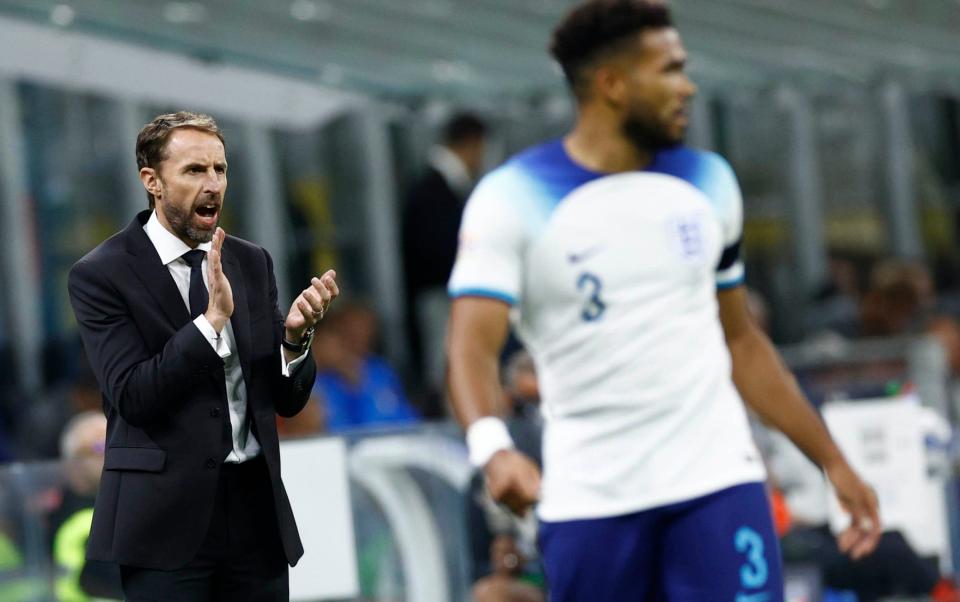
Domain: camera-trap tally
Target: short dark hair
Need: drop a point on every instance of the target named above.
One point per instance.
(463, 127)
(599, 26)
(153, 137)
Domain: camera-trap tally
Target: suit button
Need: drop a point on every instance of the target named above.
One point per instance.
(214, 412)
(210, 463)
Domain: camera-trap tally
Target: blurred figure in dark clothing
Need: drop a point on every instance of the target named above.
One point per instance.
(894, 569)
(9, 395)
(431, 221)
(6, 453)
(835, 306)
(899, 298)
(40, 426)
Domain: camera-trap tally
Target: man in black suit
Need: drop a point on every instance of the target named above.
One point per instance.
(431, 221)
(195, 360)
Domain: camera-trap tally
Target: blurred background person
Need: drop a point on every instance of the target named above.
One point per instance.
(835, 306)
(82, 445)
(355, 387)
(899, 297)
(432, 209)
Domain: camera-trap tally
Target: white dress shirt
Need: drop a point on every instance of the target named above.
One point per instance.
(452, 168)
(171, 249)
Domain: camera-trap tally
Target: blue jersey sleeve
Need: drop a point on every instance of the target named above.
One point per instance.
(719, 183)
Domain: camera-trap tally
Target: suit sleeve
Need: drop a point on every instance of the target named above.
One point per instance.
(143, 388)
(290, 393)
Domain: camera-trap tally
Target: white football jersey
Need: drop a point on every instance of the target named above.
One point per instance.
(613, 282)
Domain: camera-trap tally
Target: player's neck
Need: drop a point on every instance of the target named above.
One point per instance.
(600, 145)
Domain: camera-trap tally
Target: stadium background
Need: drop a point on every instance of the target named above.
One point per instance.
(840, 117)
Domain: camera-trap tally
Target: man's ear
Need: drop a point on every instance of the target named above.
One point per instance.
(150, 180)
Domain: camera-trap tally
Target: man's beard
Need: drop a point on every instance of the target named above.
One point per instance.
(180, 224)
(648, 134)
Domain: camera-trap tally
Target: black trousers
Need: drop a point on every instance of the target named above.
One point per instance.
(241, 557)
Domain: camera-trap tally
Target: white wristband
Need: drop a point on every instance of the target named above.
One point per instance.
(486, 437)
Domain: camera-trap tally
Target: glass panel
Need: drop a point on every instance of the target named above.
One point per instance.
(760, 161)
(322, 174)
(239, 196)
(849, 137)
(936, 141)
(7, 370)
(73, 149)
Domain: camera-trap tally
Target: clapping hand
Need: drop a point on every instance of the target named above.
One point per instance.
(310, 306)
(220, 303)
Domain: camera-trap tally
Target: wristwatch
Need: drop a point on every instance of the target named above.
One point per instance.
(304, 343)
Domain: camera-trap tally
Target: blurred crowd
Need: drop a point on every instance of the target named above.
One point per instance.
(862, 297)
(358, 388)
(881, 297)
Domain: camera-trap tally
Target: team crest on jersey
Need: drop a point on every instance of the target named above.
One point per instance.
(686, 234)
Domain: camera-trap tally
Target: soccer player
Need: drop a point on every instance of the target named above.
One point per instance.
(616, 252)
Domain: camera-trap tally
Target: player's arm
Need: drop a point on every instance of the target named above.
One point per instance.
(476, 334)
(770, 390)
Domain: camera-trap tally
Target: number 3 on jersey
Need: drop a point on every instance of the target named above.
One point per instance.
(594, 306)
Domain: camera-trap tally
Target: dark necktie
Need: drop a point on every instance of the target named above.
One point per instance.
(198, 290)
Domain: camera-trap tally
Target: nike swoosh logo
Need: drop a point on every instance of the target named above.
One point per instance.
(758, 597)
(585, 254)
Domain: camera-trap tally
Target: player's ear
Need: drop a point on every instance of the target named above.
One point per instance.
(609, 85)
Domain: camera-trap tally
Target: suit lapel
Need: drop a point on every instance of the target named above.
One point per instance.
(155, 276)
(240, 320)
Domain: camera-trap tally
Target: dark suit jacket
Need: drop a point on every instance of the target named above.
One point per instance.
(431, 223)
(168, 424)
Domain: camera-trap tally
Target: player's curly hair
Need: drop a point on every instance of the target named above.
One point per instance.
(597, 27)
